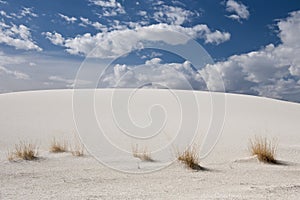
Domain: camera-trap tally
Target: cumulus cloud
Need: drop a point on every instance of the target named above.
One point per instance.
(3, 13)
(96, 25)
(238, 10)
(117, 42)
(142, 13)
(155, 74)
(28, 12)
(109, 7)
(172, 15)
(55, 38)
(17, 36)
(273, 71)
(68, 19)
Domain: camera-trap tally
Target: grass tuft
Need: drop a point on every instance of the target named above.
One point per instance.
(58, 147)
(23, 151)
(190, 158)
(77, 150)
(144, 155)
(264, 149)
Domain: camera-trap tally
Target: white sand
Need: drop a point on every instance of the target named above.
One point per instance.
(38, 116)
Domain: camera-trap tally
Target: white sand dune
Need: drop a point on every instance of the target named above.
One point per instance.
(41, 115)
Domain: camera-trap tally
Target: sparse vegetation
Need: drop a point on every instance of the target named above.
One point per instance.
(58, 147)
(264, 149)
(77, 150)
(23, 151)
(144, 155)
(190, 158)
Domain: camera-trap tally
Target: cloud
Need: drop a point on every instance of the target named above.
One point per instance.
(96, 25)
(17, 36)
(273, 71)
(27, 12)
(3, 2)
(15, 74)
(68, 19)
(155, 74)
(3, 13)
(6, 60)
(172, 15)
(107, 3)
(148, 55)
(239, 11)
(117, 42)
(32, 64)
(55, 38)
(69, 83)
(12, 61)
(109, 7)
(142, 13)
(29, 71)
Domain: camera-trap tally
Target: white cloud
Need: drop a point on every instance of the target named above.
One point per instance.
(290, 29)
(106, 3)
(273, 71)
(151, 55)
(55, 38)
(3, 13)
(69, 83)
(10, 71)
(131, 25)
(10, 60)
(27, 12)
(158, 3)
(3, 2)
(172, 15)
(68, 19)
(60, 79)
(19, 69)
(17, 36)
(142, 13)
(24, 12)
(110, 7)
(239, 11)
(154, 74)
(96, 25)
(117, 42)
(32, 64)
(14, 73)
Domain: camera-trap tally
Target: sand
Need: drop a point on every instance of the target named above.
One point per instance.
(232, 172)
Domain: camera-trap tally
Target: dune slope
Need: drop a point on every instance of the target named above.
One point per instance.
(41, 115)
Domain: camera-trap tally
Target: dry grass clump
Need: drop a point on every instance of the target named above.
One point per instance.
(23, 151)
(58, 147)
(264, 149)
(77, 150)
(144, 155)
(190, 158)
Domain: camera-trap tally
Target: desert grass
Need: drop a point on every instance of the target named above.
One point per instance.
(77, 150)
(23, 151)
(58, 147)
(143, 154)
(190, 158)
(264, 149)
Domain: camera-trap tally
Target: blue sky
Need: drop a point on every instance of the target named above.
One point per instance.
(253, 43)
